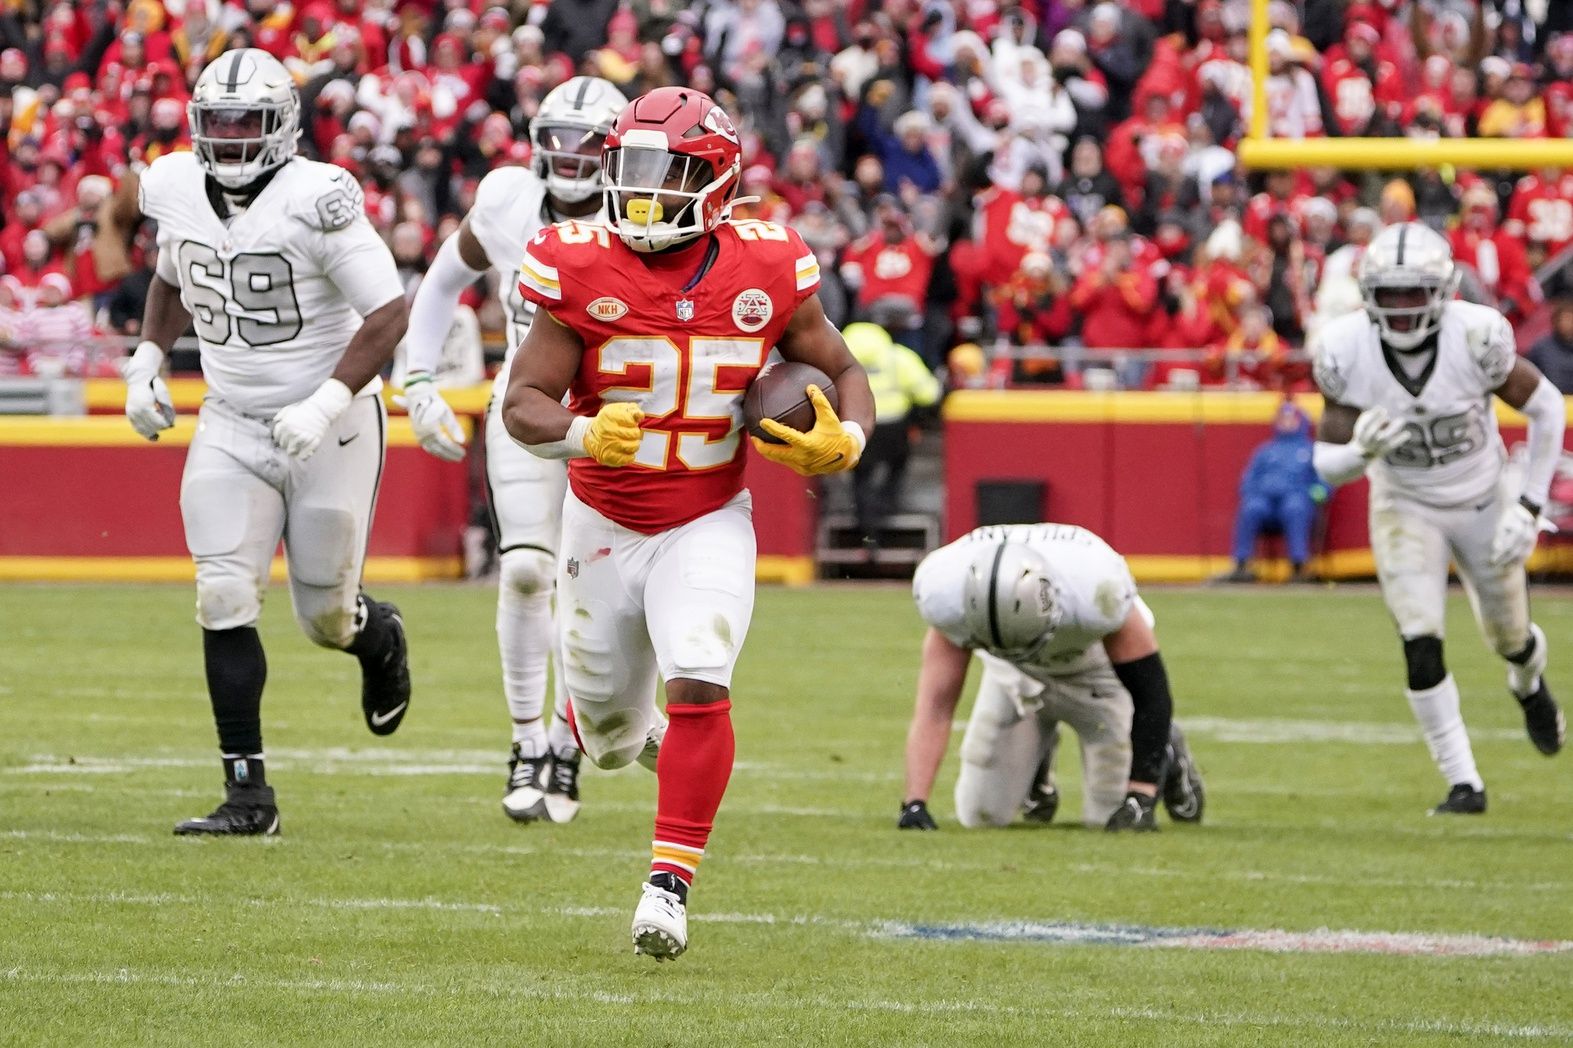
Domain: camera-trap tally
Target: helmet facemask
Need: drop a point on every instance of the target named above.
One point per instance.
(239, 144)
(1407, 307)
(568, 157)
(657, 199)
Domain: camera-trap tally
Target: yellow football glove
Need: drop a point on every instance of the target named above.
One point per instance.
(830, 447)
(614, 434)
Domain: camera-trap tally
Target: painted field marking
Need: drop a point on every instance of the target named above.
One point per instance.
(771, 1002)
(1248, 876)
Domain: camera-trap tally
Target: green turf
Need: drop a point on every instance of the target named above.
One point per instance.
(401, 908)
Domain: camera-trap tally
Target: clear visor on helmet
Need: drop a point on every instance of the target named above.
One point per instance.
(570, 152)
(232, 135)
(655, 190)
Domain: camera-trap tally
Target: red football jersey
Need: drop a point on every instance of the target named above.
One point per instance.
(1542, 211)
(685, 356)
(1012, 225)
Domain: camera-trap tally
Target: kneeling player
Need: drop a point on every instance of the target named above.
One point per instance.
(1063, 636)
(1408, 385)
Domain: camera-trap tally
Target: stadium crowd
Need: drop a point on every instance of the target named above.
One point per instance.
(1047, 174)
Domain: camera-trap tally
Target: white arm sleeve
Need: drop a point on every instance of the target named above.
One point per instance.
(1337, 463)
(571, 446)
(431, 314)
(1547, 414)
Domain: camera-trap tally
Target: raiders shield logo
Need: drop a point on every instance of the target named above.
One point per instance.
(751, 310)
(573, 568)
(685, 309)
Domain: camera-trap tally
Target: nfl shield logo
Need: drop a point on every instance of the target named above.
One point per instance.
(573, 568)
(685, 309)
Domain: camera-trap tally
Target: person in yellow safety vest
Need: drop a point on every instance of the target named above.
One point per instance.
(901, 381)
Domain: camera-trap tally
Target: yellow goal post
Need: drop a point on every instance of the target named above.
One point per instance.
(1258, 151)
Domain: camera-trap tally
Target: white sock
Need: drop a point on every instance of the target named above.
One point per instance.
(1443, 726)
(530, 738)
(525, 630)
(1524, 680)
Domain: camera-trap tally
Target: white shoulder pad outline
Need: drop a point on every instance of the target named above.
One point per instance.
(1489, 338)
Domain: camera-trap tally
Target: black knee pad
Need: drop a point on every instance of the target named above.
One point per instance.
(1423, 657)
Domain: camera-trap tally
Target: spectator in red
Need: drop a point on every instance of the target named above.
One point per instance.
(1250, 357)
(38, 259)
(14, 338)
(1293, 108)
(72, 233)
(1114, 298)
(1556, 86)
(1135, 140)
(894, 260)
(1498, 260)
(1032, 309)
(1352, 78)
(1541, 212)
(27, 214)
(1281, 196)
(311, 47)
(1011, 224)
(167, 132)
(59, 328)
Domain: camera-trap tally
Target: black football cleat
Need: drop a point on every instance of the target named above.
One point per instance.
(1544, 721)
(562, 788)
(1042, 804)
(525, 798)
(1183, 792)
(1137, 814)
(385, 681)
(1462, 799)
(247, 811)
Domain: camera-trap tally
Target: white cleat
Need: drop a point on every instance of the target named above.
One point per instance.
(525, 799)
(660, 923)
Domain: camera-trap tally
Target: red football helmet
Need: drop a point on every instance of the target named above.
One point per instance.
(672, 167)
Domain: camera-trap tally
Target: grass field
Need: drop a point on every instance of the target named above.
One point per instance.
(400, 907)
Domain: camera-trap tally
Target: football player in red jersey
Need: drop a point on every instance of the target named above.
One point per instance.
(653, 325)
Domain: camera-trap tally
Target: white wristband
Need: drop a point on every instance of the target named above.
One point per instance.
(333, 397)
(859, 438)
(570, 447)
(145, 363)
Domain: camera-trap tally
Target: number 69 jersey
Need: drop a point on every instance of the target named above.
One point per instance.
(1454, 455)
(276, 294)
(683, 354)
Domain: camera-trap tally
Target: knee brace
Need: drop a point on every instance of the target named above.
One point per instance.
(1423, 658)
(611, 738)
(227, 602)
(527, 571)
(323, 618)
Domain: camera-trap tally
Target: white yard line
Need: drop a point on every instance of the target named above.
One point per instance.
(770, 1002)
(1248, 876)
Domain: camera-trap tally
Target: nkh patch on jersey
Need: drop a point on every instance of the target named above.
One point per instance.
(276, 292)
(683, 349)
(1454, 454)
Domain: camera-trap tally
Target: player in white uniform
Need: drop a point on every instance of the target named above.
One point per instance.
(1408, 385)
(1063, 636)
(511, 205)
(297, 306)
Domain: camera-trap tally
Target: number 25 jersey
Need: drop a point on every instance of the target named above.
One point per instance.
(683, 354)
(1454, 455)
(276, 294)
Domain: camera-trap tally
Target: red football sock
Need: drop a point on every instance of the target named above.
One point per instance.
(691, 772)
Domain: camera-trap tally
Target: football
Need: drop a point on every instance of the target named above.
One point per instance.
(780, 392)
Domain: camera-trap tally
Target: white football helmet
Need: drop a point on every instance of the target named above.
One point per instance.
(1011, 603)
(1408, 257)
(568, 133)
(244, 117)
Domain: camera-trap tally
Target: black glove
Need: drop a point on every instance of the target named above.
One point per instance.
(1135, 813)
(915, 816)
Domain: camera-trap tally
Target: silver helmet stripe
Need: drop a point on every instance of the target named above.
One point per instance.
(234, 74)
(1403, 231)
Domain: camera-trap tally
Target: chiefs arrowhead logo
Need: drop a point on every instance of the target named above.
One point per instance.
(607, 309)
(751, 309)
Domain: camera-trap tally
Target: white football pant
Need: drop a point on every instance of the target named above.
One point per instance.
(1012, 729)
(634, 608)
(240, 494)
